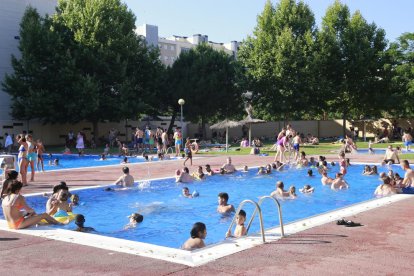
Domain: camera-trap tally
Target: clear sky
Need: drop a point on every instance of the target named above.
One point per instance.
(227, 20)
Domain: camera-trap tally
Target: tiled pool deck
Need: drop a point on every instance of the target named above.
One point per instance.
(383, 246)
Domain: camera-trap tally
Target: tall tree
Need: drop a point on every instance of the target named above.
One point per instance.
(85, 63)
(279, 58)
(206, 80)
(401, 62)
(352, 64)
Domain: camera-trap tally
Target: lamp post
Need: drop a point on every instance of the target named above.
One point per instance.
(181, 102)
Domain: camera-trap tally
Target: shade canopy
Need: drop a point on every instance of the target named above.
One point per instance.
(226, 124)
(249, 121)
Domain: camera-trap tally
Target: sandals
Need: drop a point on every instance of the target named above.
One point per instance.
(348, 223)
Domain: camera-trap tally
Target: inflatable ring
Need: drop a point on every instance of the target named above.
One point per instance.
(62, 216)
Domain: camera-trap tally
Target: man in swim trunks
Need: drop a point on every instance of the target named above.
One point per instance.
(391, 156)
(409, 174)
(125, 180)
(139, 134)
(407, 139)
(164, 138)
(40, 150)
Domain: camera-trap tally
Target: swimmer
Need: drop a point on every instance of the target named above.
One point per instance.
(125, 160)
(333, 164)
(367, 170)
(307, 189)
(134, 219)
(198, 234)
(103, 157)
(209, 170)
(310, 173)
(222, 171)
(74, 200)
(199, 174)
(79, 221)
(292, 192)
(223, 206)
(56, 162)
(186, 192)
(279, 192)
(245, 169)
(339, 183)
(326, 180)
(125, 180)
(261, 170)
(240, 230)
(268, 169)
(183, 176)
(385, 188)
(229, 167)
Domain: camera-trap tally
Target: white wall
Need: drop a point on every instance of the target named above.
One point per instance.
(11, 12)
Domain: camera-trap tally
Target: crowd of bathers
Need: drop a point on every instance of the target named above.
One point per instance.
(61, 202)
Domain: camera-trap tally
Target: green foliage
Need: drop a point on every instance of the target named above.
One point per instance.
(401, 62)
(279, 58)
(84, 63)
(206, 80)
(351, 60)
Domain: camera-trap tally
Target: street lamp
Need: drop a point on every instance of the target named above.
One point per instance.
(181, 102)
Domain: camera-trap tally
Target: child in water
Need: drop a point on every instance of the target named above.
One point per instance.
(134, 219)
(79, 221)
(240, 228)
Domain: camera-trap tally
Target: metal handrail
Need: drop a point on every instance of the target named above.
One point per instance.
(260, 202)
(172, 150)
(257, 209)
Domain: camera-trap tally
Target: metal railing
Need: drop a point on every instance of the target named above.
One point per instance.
(259, 203)
(257, 209)
(172, 150)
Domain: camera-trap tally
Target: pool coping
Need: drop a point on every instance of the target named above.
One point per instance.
(209, 253)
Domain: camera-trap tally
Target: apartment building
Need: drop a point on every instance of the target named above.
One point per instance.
(171, 47)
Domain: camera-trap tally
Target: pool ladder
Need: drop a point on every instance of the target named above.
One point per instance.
(259, 210)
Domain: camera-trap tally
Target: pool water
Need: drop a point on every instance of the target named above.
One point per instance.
(70, 161)
(168, 217)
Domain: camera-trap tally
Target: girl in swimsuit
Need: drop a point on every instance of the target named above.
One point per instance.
(12, 205)
(40, 150)
(281, 148)
(31, 155)
(22, 157)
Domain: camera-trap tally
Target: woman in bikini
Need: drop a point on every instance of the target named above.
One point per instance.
(22, 157)
(12, 205)
(31, 155)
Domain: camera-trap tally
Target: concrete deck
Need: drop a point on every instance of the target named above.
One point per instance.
(383, 246)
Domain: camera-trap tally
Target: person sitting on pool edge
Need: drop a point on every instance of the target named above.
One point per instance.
(125, 180)
(198, 234)
(223, 206)
(79, 221)
(228, 167)
(240, 229)
(12, 205)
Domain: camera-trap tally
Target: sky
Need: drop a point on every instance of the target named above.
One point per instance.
(227, 20)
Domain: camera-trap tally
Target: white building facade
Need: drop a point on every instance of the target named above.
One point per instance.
(171, 47)
(11, 13)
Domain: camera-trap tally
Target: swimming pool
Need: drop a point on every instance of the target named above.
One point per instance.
(168, 216)
(71, 161)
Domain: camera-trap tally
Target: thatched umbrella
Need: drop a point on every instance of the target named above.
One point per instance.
(226, 124)
(249, 121)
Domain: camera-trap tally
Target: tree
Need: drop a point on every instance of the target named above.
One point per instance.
(89, 64)
(206, 80)
(401, 63)
(352, 64)
(279, 61)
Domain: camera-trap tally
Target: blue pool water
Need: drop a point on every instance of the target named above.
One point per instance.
(168, 217)
(70, 161)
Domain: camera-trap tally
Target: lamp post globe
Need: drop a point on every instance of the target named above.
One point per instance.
(181, 102)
